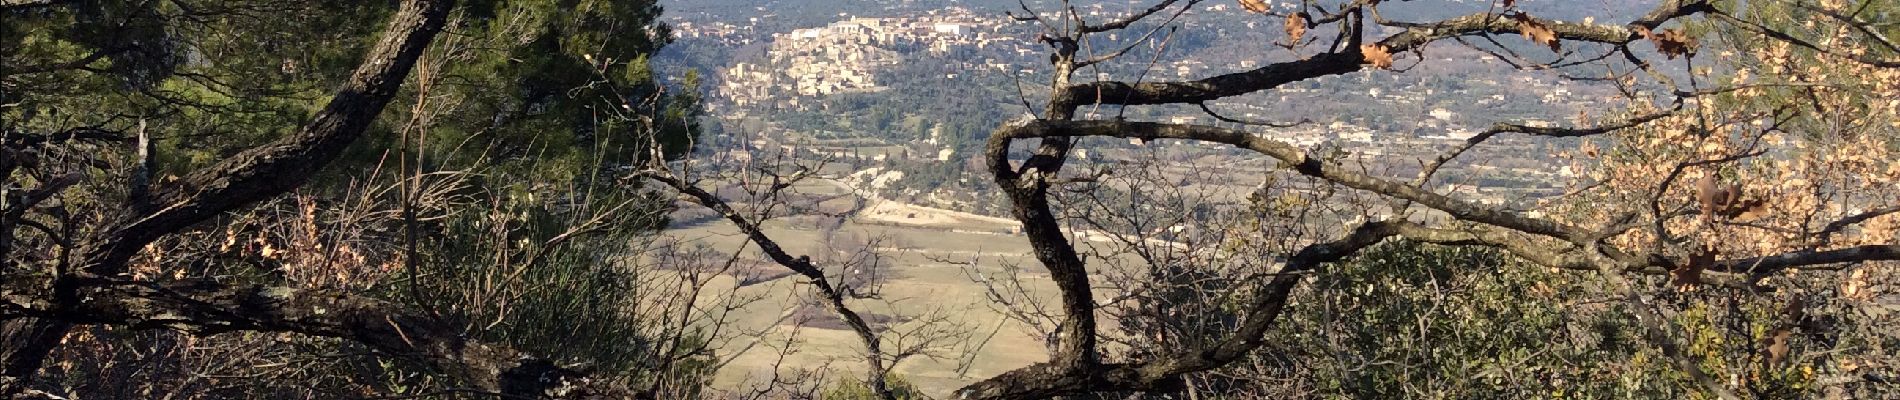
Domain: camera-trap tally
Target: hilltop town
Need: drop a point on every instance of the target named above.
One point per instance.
(876, 91)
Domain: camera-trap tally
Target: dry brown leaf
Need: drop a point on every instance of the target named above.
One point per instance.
(1685, 276)
(1259, 6)
(1749, 210)
(1708, 193)
(1778, 345)
(1729, 197)
(1726, 201)
(1537, 31)
(1295, 28)
(1671, 42)
(1376, 55)
(1690, 273)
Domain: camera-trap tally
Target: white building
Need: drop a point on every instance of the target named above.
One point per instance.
(951, 29)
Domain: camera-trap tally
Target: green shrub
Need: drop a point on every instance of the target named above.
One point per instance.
(852, 389)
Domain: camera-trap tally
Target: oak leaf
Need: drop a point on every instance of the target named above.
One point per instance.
(1671, 42)
(1259, 6)
(1708, 193)
(1717, 200)
(1537, 31)
(1731, 196)
(1748, 210)
(1295, 28)
(1778, 345)
(1690, 273)
(1377, 55)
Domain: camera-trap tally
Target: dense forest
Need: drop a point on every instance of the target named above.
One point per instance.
(511, 199)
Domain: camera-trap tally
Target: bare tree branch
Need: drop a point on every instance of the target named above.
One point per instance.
(834, 296)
